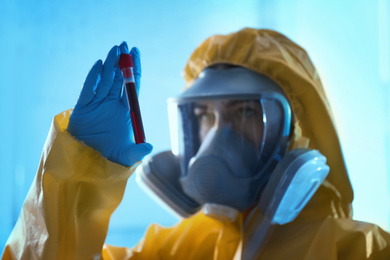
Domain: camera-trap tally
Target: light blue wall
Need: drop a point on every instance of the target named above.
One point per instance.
(47, 48)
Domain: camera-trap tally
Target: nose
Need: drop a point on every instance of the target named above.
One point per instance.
(222, 118)
(218, 123)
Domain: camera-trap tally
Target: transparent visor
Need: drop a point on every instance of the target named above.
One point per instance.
(256, 129)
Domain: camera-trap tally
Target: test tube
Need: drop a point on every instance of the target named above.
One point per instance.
(126, 66)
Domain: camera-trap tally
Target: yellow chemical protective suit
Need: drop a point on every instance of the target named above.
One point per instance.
(66, 213)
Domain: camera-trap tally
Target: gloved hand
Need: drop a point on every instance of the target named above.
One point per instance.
(101, 117)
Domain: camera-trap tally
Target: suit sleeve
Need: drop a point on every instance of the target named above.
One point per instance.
(67, 210)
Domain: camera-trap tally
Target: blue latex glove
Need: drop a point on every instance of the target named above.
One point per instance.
(101, 117)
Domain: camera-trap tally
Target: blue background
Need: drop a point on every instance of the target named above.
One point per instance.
(47, 48)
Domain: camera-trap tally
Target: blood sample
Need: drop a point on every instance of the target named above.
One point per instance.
(126, 66)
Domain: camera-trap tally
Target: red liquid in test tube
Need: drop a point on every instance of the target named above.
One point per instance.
(126, 66)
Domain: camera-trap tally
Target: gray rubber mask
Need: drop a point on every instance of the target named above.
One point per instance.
(222, 170)
(228, 131)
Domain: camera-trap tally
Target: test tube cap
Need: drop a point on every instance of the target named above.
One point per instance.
(125, 61)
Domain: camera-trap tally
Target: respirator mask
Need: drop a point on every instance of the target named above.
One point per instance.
(229, 131)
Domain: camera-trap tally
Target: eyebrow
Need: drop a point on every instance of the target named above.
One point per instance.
(236, 102)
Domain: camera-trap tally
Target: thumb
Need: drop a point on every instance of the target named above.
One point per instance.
(137, 152)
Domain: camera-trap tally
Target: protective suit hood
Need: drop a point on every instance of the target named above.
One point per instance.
(277, 57)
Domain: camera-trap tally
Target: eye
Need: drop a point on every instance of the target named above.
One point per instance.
(204, 116)
(247, 111)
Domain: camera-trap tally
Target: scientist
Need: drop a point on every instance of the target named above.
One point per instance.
(252, 99)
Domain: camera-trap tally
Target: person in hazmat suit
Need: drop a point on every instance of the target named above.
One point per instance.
(256, 165)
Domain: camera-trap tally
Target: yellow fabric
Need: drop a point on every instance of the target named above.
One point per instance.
(70, 201)
(200, 237)
(66, 213)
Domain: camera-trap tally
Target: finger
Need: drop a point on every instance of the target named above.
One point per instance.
(108, 73)
(124, 48)
(91, 81)
(135, 53)
(116, 88)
